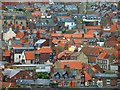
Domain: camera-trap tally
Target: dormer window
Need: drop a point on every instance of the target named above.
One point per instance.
(83, 17)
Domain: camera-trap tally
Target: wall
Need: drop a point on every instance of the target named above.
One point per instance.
(70, 25)
(83, 58)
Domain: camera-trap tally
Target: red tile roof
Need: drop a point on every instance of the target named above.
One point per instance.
(117, 54)
(36, 13)
(62, 54)
(78, 41)
(113, 28)
(45, 49)
(93, 27)
(72, 35)
(87, 76)
(88, 35)
(30, 55)
(61, 44)
(102, 56)
(7, 53)
(91, 59)
(63, 17)
(16, 25)
(28, 8)
(16, 45)
(97, 67)
(7, 84)
(19, 35)
(55, 41)
(73, 64)
(56, 35)
(91, 51)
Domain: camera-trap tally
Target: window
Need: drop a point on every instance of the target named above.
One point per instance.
(5, 22)
(31, 61)
(16, 22)
(21, 22)
(108, 82)
(11, 22)
(43, 67)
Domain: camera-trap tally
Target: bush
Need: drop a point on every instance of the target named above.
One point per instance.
(43, 75)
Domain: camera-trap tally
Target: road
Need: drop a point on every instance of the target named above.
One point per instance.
(82, 88)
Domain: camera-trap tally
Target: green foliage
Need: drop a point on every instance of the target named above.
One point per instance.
(6, 9)
(43, 75)
(63, 31)
(79, 20)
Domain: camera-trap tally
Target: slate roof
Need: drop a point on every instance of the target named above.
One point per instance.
(61, 14)
(64, 19)
(78, 15)
(47, 22)
(32, 82)
(39, 42)
(107, 75)
(11, 72)
(71, 7)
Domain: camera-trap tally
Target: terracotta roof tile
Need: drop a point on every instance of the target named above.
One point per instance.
(16, 25)
(113, 28)
(91, 51)
(45, 49)
(28, 8)
(73, 64)
(62, 54)
(97, 67)
(93, 27)
(7, 53)
(56, 35)
(88, 35)
(7, 84)
(16, 45)
(55, 41)
(63, 17)
(78, 41)
(72, 35)
(87, 76)
(102, 56)
(91, 59)
(19, 35)
(30, 55)
(117, 54)
(61, 44)
(36, 13)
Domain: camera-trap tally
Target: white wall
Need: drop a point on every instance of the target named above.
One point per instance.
(16, 58)
(112, 67)
(43, 69)
(70, 24)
